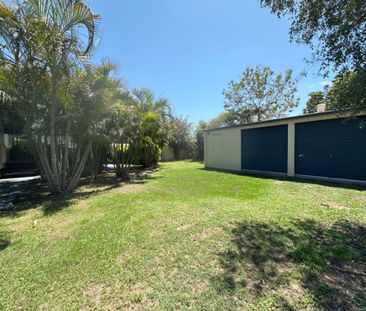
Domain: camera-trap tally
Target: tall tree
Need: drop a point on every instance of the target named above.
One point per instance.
(348, 92)
(152, 115)
(336, 29)
(137, 130)
(180, 136)
(199, 133)
(262, 94)
(94, 93)
(41, 47)
(226, 118)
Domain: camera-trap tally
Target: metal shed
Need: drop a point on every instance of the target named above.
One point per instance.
(323, 145)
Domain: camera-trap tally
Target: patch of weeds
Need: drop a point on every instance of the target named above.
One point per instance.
(137, 298)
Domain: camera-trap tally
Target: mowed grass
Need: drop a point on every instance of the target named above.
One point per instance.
(187, 238)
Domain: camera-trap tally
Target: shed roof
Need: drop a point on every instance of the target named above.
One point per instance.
(303, 116)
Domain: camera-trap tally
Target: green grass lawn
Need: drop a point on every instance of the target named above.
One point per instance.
(186, 238)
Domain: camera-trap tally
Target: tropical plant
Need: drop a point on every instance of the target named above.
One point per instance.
(41, 50)
(152, 117)
(122, 130)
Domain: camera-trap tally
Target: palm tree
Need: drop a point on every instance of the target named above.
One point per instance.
(148, 102)
(46, 35)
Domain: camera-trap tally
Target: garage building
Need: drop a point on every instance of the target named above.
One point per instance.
(321, 145)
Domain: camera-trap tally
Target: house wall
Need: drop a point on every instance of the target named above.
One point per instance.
(225, 152)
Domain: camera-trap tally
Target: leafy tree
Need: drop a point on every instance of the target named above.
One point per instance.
(315, 98)
(41, 49)
(348, 92)
(122, 134)
(152, 118)
(226, 118)
(261, 93)
(336, 29)
(199, 133)
(106, 91)
(180, 136)
(137, 130)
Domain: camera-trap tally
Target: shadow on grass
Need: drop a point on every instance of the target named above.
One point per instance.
(334, 184)
(329, 263)
(38, 194)
(4, 241)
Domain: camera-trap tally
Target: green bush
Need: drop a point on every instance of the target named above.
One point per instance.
(151, 153)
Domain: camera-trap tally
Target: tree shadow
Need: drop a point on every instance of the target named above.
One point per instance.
(334, 184)
(329, 263)
(4, 241)
(38, 193)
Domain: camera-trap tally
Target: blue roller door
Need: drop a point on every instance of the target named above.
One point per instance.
(331, 148)
(265, 149)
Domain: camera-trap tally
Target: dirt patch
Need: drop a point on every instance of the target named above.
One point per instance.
(183, 227)
(292, 292)
(206, 234)
(335, 205)
(117, 297)
(199, 287)
(124, 257)
(135, 297)
(93, 296)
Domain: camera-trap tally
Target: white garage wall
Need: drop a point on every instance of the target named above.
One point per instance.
(222, 149)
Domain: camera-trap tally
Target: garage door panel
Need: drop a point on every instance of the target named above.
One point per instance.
(331, 148)
(265, 149)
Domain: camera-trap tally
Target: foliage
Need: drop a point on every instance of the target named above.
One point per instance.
(137, 129)
(348, 92)
(77, 115)
(315, 99)
(41, 49)
(181, 137)
(262, 94)
(151, 153)
(226, 118)
(336, 30)
(152, 116)
(199, 134)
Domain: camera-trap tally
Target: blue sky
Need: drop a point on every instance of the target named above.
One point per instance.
(189, 50)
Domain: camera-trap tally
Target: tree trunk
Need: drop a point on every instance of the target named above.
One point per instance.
(75, 179)
(42, 155)
(65, 165)
(53, 151)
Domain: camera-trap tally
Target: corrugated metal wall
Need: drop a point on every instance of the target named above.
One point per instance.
(331, 148)
(265, 149)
